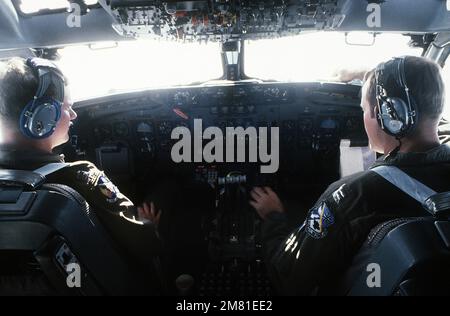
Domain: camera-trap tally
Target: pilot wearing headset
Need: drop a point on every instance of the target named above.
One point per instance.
(35, 116)
(402, 100)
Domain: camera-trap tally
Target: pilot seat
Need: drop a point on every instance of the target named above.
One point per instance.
(52, 243)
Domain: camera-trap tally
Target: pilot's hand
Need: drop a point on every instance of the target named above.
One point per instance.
(148, 212)
(265, 201)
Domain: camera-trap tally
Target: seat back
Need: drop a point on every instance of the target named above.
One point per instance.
(48, 234)
(409, 256)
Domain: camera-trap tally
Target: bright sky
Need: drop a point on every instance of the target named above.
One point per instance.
(138, 65)
(316, 56)
(33, 6)
(151, 63)
(446, 74)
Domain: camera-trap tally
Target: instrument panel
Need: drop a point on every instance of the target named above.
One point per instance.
(222, 20)
(312, 119)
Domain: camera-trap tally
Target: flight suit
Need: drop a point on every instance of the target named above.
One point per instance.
(115, 210)
(319, 251)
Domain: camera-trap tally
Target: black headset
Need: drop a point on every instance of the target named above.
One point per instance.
(397, 112)
(40, 116)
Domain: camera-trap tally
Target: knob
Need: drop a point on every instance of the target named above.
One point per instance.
(184, 284)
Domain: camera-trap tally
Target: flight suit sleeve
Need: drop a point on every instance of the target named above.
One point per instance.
(117, 213)
(99, 190)
(314, 252)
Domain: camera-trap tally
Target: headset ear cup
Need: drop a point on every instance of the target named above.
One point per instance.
(395, 116)
(400, 107)
(39, 118)
(398, 115)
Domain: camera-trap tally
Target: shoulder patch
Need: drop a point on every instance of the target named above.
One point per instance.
(108, 189)
(318, 221)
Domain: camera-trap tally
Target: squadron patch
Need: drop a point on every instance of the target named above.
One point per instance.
(318, 221)
(108, 189)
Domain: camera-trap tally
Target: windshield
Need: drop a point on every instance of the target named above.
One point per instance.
(143, 64)
(446, 75)
(321, 56)
(137, 65)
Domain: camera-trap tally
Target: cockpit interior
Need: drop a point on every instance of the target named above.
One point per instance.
(140, 70)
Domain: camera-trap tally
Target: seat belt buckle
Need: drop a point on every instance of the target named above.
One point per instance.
(438, 205)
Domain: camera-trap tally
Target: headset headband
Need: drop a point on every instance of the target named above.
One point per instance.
(48, 73)
(394, 69)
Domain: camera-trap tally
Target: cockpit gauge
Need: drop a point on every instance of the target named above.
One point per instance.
(182, 98)
(329, 124)
(289, 125)
(272, 92)
(239, 92)
(165, 128)
(144, 128)
(275, 92)
(305, 125)
(240, 109)
(121, 129)
(225, 110)
(220, 93)
(103, 132)
(256, 90)
(251, 108)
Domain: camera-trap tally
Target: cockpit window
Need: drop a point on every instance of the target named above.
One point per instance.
(37, 6)
(446, 74)
(321, 56)
(138, 65)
